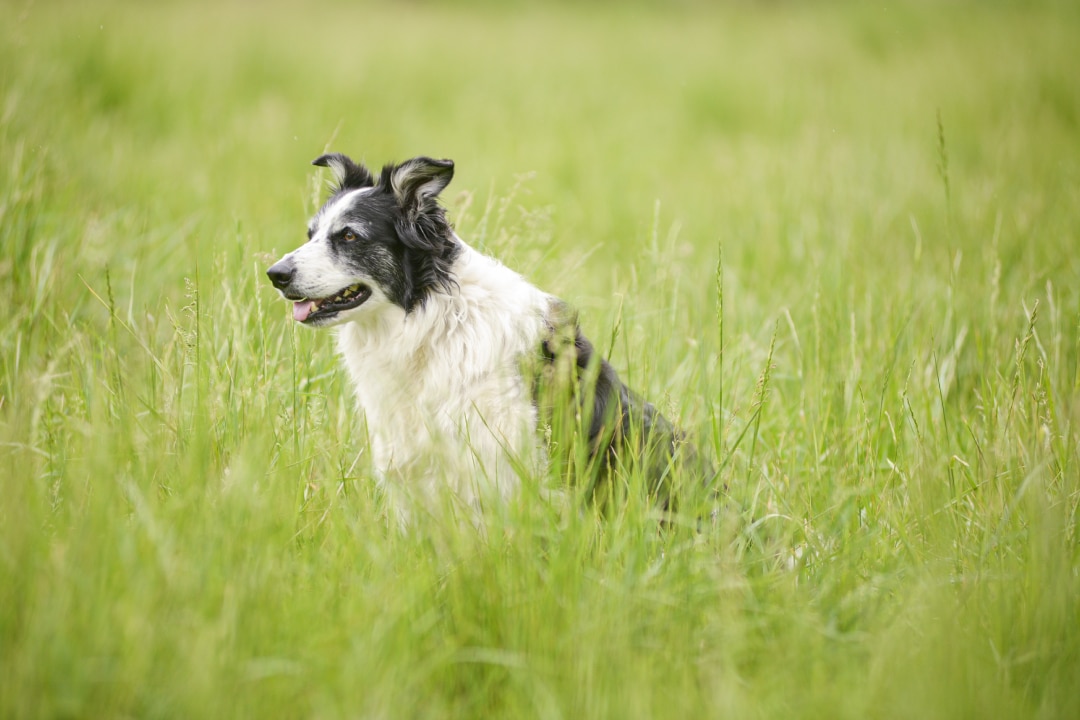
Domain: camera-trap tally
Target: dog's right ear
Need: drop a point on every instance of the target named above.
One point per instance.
(417, 182)
(347, 174)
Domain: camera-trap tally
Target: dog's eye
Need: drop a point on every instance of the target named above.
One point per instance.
(348, 236)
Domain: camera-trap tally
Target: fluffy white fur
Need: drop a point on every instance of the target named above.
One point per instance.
(447, 403)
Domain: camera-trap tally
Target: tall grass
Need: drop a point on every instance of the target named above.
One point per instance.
(885, 364)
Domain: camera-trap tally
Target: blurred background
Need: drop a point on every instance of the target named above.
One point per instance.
(804, 136)
(883, 198)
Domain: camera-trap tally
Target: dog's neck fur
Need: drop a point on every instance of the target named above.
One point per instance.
(442, 387)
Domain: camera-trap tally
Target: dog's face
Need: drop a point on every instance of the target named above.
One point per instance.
(374, 243)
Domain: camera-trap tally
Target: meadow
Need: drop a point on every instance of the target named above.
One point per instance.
(840, 242)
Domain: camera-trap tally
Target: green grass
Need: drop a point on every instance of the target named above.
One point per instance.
(188, 527)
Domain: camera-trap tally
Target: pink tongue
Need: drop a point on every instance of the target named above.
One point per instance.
(301, 310)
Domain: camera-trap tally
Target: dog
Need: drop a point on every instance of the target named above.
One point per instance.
(460, 365)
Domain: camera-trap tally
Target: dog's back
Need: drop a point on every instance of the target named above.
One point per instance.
(582, 391)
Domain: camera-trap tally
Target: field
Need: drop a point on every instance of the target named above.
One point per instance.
(840, 242)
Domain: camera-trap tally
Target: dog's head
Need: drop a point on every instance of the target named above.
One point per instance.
(374, 242)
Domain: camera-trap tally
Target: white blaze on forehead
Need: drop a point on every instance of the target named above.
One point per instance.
(331, 217)
(318, 271)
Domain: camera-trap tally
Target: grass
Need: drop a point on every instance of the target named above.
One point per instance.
(886, 363)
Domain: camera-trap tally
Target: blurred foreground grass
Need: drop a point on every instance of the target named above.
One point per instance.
(187, 526)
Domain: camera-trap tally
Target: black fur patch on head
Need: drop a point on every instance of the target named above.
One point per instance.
(421, 225)
(407, 244)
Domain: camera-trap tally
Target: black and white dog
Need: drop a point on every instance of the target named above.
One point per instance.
(456, 360)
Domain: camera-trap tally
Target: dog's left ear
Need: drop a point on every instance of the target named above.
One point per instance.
(347, 174)
(418, 181)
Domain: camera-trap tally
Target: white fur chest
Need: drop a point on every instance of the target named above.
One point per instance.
(442, 388)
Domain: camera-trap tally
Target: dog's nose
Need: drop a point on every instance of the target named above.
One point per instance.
(281, 274)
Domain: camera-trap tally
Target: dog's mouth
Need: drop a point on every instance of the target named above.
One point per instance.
(306, 310)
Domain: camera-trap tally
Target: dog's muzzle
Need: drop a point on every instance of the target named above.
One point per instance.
(281, 273)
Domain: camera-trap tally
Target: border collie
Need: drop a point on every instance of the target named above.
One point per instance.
(458, 362)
